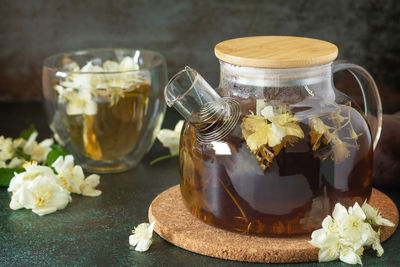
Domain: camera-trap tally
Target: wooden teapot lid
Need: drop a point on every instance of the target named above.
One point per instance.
(276, 52)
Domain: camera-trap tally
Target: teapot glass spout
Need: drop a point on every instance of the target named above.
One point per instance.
(212, 116)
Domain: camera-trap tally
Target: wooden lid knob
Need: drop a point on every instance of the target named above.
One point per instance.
(276, 52)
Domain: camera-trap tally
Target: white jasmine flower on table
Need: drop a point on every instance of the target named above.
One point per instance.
(37, 189)
(142, 236)
(19, 142)
(329, 240)
(89, 184)
(170, 138)
(374, 217)
(375, 242)
(32, 170)
(6, 148)
(7, 152)
(72, 178)
(345, 235)
(14, 163)
(37, 151)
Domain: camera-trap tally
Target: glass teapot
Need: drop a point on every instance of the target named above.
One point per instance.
(275, 146)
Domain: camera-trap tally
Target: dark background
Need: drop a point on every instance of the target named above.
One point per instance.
(366, 32)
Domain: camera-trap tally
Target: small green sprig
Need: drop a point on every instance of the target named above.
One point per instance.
(154, 161)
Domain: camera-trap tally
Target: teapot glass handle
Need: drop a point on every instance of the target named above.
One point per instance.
(370, 93)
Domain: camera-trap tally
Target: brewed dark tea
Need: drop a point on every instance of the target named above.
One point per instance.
(284, 189)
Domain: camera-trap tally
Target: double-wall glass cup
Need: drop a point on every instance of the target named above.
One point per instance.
(105, 106)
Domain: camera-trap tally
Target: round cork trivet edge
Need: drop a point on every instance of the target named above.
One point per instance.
(177, 225)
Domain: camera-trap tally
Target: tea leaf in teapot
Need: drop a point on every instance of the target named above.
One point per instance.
(340, 150)
(266, 135)
(264, 156)
(318, 130)
(329, 134)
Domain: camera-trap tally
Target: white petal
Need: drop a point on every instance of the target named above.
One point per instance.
(151, 228)
(58, 164)
(328, 254)
(327, 222)
(92, 193)
(25, 196)
(318, 238)
(369, 211)
(77, 172)
(367, 233)
(14, 203)
(89, 184)
(60, 200)
(178, 127)
(339, 212)
(278, 131)
(143, 245)
(383, 221)
(142, 228)
(133, 240)
(357, 211)
(47, 142)
(268, 112)
(15, 162)
(378, 247)
(169, 139)
(31, 139)
(173, 149)
(350, 257)
(165, 135)
(44, 210)
(16, 182)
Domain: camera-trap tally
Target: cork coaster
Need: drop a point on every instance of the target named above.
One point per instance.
(178, 226)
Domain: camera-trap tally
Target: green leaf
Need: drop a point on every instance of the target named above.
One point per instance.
(54, 155)
(7, 174)
(57, 147)
(21, 154)
(27, 132)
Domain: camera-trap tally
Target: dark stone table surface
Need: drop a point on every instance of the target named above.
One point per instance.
(94, 231)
